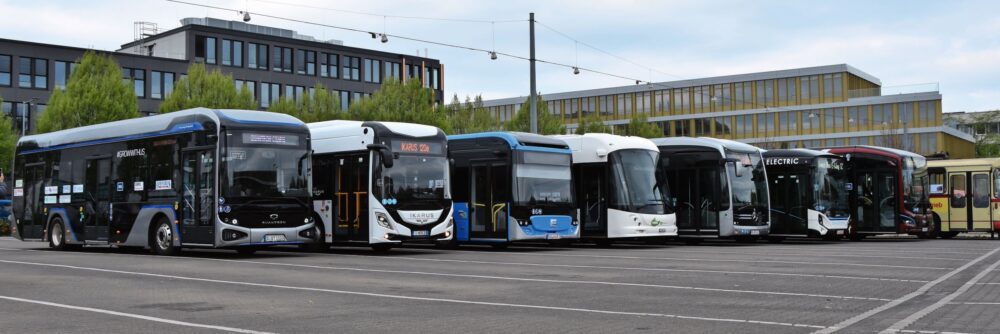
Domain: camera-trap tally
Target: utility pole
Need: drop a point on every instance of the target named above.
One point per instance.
(532, 101)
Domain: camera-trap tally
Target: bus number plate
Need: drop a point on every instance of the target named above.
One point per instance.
(421, 233)
(754, 232)
(552, 236)
(275, 238)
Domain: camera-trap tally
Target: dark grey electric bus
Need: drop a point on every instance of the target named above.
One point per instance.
(193, 178)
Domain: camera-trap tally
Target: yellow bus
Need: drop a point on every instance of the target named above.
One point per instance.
(965, 195)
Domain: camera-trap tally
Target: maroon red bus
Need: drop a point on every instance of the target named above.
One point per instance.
(888, 191)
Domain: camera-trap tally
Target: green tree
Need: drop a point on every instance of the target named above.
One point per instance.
(95, 93)
(548, 124)
(470, 117)
(8, 140)
(322, 105)
(641, 127)
(591, 124)
(399, 102)
(201, 88)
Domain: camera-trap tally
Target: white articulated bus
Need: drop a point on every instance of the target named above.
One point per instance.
(381, 183)
(617, 191)
(718, 188)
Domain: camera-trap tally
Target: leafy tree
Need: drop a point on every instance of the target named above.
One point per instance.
(95, 93)
(591, 124)
(8, 141)
(322, 105)
(987, 143)
(399, 102)
(470, 117)
(641, 127)
(201, 88)
(548, 124)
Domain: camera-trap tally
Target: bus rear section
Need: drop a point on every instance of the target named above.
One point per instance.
(158, 182)
(381, 183)
(808, 191)
(889, 191)
(718, 188)
(618, 194)
(511, 187)
(964, 195)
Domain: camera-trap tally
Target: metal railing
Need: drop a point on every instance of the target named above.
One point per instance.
(893, 90)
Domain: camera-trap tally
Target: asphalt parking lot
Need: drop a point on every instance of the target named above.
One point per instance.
(877, 285)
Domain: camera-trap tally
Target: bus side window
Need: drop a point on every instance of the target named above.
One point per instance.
(958, 191)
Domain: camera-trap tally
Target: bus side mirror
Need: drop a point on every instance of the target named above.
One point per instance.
(384, 153)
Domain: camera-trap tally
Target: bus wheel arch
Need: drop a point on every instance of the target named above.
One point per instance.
(161, 239)
(56, 233)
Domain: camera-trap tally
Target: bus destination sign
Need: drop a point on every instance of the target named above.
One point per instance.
(404, 146)
(270, 139)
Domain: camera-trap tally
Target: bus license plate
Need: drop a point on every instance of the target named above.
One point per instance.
(421, 233)
(754, 232)
(552, 236)
(275, 238)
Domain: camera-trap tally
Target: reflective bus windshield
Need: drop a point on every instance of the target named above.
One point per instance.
(542, 178)
(746, 177)
(830, 188)
(264, 165)
(634, 186)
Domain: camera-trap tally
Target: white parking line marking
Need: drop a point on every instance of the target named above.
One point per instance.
(443, 300)
(905, 298)
(134, 316)
(974, 303)
(640, 269)
(913, 317)
(803, 254)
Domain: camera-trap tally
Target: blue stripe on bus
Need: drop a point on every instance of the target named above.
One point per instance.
(166, 206)
(511, 140)
(246, 121)
(66, 223)
(177, 129)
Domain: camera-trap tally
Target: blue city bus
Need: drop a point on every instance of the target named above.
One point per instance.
(511, 186)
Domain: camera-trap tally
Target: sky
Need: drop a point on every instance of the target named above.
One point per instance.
(909, 45)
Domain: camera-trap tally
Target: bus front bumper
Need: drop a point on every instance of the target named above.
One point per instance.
(232, 235)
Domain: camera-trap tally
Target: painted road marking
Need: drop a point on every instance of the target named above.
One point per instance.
(134, 316)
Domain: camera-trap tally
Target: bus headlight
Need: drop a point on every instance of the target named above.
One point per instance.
(383, 220)
(575, 222)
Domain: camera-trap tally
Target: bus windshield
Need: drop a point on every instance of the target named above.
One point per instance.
(265, 166)
(830, 188)
(749, 186)
(416, 178)
(542, 178)
(915, 182)
(634, 185)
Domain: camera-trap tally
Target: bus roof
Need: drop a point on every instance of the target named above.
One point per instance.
(991, 162)
(719, 144)
(797, 153)
(174, 122)
(517, 139)
(586, 148)
(337, 128)
(878, 150)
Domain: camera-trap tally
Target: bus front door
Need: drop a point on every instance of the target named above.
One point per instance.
(351, 197)
(959, 202)
(198, 183)
(980, 202)
(32, 222)
(590, 185)
(876, 201)
(98, 203)
(489, 201)
(696, 200)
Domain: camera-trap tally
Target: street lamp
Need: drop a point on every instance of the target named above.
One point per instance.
(24, 117)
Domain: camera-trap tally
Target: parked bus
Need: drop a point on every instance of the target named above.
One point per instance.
(511, 186)
(156, 182)
(808, 191)
(617, 192)
(964, 195)
(888, 191)
(381, 183)
(719, 188)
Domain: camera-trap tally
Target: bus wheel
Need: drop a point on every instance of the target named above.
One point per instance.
(381, 248)
(948, 235)
(775, 240)
(246, 251)
(163, 238)
(57, 236)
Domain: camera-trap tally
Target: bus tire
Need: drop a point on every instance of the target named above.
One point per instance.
(162, 241)
(775, 240)
(57, 235)
(381, 248)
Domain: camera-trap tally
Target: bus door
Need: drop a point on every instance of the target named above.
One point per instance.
(351, 197)
(697, 202)
(488, 202)
(32, 222)
(198, 183)
(959, 203)
(875, 194)
(980, 202)
(789, 208)
(591, 189)
(98, 199)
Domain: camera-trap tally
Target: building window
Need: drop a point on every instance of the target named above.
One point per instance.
(765, 93)
(810, 87)
(33, 73)
(269, 92)
(392, 70)
(432, 79)
(161, 84)
(372, 71)
(743, 95)
(786, 90)
(413, 71)
(138, 79)
(294, 92)
(5, 72)
(305, 62)
(232, 53)
(204, 48)
(833, 85)
(257, 56)
(328, 65)
(281, 59)
(247, 85)
(352, 68)
(63, 70)
(345, 99)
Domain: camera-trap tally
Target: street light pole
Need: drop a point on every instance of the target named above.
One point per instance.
(532, 104)
(24, 117)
